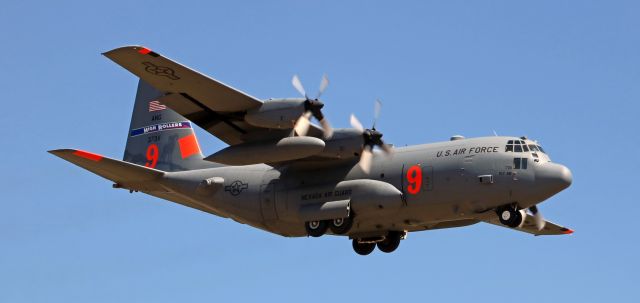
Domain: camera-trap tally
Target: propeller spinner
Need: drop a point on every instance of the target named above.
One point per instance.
(312, 107)
(372, 138)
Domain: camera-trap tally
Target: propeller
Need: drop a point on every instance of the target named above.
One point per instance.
(537, 216)
(371, 137)
(312, 107)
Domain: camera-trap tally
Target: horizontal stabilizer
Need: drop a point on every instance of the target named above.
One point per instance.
(528, 225)
(124, 174)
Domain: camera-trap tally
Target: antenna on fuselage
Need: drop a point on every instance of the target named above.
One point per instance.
(494, 132)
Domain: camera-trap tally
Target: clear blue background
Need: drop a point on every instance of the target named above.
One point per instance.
(563, 72)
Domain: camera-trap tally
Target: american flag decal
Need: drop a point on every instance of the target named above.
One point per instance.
(156, 106)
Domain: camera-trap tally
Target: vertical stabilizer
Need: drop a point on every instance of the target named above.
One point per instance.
(159, 137)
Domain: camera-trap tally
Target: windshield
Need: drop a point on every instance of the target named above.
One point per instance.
(519, 146)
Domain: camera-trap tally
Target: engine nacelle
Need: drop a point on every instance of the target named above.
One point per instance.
(345, 143)
(276, 113)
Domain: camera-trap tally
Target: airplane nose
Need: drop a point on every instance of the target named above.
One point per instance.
(553, 176)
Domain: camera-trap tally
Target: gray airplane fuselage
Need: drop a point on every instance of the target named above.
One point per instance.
(444, 184)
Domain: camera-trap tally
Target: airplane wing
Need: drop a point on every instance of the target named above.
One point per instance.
(214, 106)
(528, 226)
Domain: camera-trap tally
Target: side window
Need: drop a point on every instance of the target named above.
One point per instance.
(519, 163)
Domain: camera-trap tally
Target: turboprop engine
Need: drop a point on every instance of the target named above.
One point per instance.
(277, 113)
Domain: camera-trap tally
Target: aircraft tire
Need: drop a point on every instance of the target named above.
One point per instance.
(341, 226)
(363, 249)
(510, 217)
(316, 228)
(390, 243)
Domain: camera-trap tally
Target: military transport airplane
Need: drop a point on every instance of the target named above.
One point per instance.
(283, 174)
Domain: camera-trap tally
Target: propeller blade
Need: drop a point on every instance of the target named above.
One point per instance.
(376, 112)
(326, 127)
(323, 85)
(298, 86)
(387, 148)
(537, 217)
(365, 159)
(356, 124)
(302, 125)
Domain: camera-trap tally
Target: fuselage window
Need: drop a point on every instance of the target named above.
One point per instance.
(525, 148)
(533, 147)
(517, 148)
(516, 163)
(540, 148)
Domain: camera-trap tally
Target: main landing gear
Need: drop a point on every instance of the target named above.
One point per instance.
(509, 216)
(387, 244)
(339, 226)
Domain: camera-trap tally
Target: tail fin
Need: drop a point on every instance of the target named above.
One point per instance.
(159, 137)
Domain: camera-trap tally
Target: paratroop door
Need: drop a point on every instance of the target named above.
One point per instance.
(268, 201)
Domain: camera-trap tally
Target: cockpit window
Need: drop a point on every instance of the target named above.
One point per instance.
(519, 146)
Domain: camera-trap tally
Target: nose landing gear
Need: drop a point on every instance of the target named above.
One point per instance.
(509, 216)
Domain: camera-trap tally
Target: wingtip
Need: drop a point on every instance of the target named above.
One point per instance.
(65, 152)
(138, 48)
(60, 151)
(567, 231)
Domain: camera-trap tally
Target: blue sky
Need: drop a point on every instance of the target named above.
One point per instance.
(563, 72)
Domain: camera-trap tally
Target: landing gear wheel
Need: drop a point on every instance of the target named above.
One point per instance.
(316, 228)
(391, 242)
(363, 249)
(341, 226)
(509, 216)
